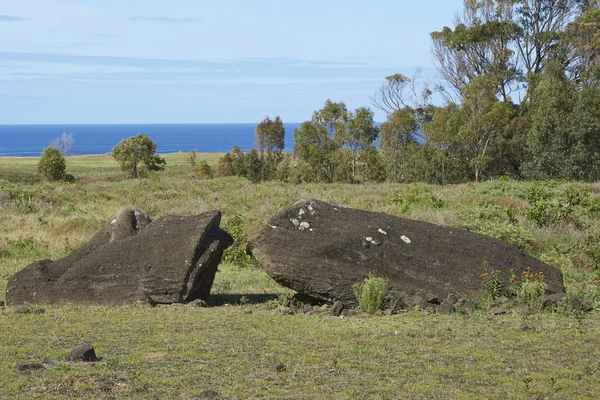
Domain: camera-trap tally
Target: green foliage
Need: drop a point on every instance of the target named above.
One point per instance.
(269, 135)
(397, 133)
(52, 164)
(492, 283)
(500, 222)
(236, 253)
(546, 209)
(404, 200)
(531, 292)
(369, 293)
(502, 187)
(136, 150)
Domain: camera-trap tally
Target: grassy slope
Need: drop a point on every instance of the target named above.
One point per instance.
(177, 351)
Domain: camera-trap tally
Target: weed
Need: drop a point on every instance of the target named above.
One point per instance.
(370, 293)
(491, 282)
(236, 253)
(531, 290)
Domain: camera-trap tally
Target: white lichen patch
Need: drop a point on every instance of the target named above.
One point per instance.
(303, 226)
(405, 239)
(382, 231)
(369, 239)
(301, 212)
(295, 221)
(113, 221)
(273, 226)
(309, 207)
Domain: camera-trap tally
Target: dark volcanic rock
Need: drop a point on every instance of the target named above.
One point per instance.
(337, 308)
(171, 260)
(321, 250)
(83, 352)
(29, 367)
(21, 309)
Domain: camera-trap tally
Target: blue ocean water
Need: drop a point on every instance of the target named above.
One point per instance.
(30, 140)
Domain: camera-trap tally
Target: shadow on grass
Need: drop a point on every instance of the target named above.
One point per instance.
(216, 300)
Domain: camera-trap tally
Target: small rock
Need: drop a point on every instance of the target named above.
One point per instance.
(451, 299)
(197, 303)
(307, 308)
(21, 309)
(208, 394)
(348, 312)
(29, 367)
(294, 308)
(324, 307)
(427, 306)
(83, 352)
(445, 308)
(433, 300)
(388, 312)
(279, 367)
(247, 311)
(40, 311)
(379, 313)
(497, 311)
(580, 305)
(337, 308)
(364, 315)
(525, 311)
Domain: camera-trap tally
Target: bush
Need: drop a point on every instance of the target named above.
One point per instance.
(531, 293)
(52, 165)
(413, 196)
(236, 253)
(370, 293)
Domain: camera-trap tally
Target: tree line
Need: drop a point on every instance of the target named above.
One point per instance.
(520, 81)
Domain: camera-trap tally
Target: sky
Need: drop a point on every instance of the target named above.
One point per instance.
(205, 61)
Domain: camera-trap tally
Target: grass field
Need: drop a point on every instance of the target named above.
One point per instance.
(181, 352)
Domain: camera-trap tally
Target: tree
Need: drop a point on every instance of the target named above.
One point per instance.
(136, 150)
(397, 133)
(317, 142)
(62, 144)
(399, 91)
(361, 132)
(549, 142)
(52, 164)
(269, 135)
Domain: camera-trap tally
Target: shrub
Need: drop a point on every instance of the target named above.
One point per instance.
(413, 196)
(370, 293)
(531, 291)
(52, 165)
(236, 253)
(491, 282)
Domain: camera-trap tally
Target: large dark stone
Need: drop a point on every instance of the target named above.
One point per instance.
(171, 260)
(83, 352)
(321, 250)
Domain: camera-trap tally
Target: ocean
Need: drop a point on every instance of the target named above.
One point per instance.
(30, 140)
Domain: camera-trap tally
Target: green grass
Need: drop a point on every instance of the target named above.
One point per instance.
(179, 351)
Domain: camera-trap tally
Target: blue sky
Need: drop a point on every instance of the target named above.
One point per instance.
(195, 61)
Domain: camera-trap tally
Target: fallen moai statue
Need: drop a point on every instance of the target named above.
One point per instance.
(171, 260)
(320, 250)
